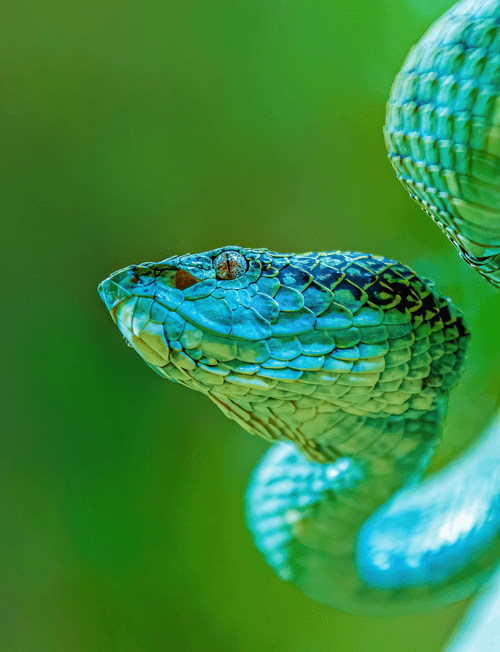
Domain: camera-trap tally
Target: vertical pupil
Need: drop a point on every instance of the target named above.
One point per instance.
(228, 271)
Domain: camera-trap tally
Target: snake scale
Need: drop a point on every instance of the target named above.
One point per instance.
(345, 360)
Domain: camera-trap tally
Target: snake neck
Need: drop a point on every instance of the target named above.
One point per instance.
(306, 516)
(380, 462)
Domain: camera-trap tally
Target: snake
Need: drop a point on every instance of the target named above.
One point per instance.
(344, 361)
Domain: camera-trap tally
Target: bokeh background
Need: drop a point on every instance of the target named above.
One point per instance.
(132, 131)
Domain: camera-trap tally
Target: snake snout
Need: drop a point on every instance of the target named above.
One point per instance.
(125, 283)
(112, 294)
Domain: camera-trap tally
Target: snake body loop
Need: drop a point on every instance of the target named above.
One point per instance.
(345, 360)
(442, 129)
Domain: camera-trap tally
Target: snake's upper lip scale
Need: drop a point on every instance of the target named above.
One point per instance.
(112, 294)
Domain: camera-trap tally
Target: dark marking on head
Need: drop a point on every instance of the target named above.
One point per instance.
(184, 280)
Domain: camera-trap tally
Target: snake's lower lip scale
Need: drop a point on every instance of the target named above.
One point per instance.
(155, 357)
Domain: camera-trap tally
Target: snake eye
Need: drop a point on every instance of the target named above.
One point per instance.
(229, 265)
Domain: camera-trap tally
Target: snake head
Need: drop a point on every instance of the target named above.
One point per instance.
(188, 315)
(324, 349)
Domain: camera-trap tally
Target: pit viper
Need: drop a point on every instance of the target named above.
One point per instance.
(345, 360)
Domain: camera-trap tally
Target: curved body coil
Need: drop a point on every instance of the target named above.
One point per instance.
(346, 360)
(443, 129)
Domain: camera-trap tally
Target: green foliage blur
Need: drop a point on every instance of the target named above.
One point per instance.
(131, 131)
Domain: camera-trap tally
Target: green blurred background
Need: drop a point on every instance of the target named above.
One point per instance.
(132, 131)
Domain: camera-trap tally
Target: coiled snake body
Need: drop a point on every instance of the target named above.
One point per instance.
(346, 359)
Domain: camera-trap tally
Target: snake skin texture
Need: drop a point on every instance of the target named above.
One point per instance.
(345, 361)
(442, 133)
(443, 129)
(340, 353)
